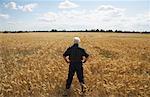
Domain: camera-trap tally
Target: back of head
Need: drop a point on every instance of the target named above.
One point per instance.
(76, 40)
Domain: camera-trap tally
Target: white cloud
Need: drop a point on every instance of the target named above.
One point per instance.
(67, 5)
(4, 16)
(147, 16)
(24, 8)
(48, 17)
(28, 7)
(11, 5)
(109, 10)
(13, 22)
(94, 16)
(103, 17)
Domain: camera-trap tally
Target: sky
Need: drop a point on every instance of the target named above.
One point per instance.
(27, 15)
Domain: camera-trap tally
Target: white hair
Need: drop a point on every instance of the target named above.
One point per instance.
(76, 40)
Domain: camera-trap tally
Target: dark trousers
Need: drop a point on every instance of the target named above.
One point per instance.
(75, 67)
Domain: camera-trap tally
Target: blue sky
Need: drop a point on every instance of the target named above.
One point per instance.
(75, 14)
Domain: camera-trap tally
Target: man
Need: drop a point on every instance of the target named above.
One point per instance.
(75, 56)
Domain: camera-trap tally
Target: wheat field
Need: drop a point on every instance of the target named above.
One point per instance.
(32, 65)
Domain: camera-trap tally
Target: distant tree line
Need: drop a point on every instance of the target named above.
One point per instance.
(92, 30)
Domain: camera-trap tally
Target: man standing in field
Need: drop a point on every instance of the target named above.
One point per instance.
(75, 56)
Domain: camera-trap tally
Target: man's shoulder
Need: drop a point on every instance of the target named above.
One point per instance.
(81, 48)
(69, 48)
(73, 47)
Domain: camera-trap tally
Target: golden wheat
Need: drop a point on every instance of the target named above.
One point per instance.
(31, 64)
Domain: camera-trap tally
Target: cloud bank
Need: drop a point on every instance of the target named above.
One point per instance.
(67, 5)
(11, 5)
(24, 8)
(103, 17)
(4, 16)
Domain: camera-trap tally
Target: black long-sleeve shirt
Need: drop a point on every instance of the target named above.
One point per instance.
(75, 53)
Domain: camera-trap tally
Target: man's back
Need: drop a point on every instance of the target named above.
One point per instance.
(75, 53)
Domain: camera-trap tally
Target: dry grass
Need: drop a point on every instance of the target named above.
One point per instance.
(31, 65)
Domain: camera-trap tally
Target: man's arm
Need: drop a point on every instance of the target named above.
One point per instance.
(66, 59)
(85, 56)
(85, 59)
(66, 55)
